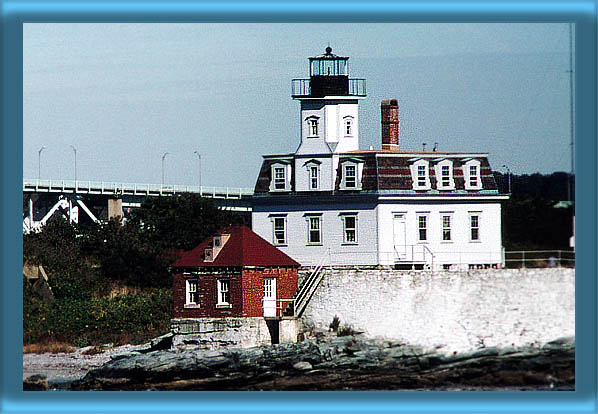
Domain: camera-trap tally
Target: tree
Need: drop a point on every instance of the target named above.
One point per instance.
(181, 221)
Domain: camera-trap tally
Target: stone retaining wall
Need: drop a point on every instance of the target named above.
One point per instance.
(457, 310)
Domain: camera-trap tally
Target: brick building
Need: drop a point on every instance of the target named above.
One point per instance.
(233, 274)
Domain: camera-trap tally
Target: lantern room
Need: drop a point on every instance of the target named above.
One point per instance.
(328, 76)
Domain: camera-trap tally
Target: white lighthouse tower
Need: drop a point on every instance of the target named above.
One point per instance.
(329, 105)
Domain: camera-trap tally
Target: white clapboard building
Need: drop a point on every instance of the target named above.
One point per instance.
(331, 202)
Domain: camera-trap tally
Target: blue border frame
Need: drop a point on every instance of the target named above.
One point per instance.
(15, 13)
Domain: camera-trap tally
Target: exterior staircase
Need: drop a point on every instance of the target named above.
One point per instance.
(306, 290)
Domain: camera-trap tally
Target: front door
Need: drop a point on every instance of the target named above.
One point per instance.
(269, 297)
(399, 236)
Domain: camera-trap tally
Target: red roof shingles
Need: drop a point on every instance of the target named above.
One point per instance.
(243, 248)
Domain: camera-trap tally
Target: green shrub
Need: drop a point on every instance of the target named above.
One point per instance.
(345, 330)
(334, 324)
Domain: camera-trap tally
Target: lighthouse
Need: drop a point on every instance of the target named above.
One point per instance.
(329, 114)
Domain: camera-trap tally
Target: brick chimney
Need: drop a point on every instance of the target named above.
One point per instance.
(390, 124)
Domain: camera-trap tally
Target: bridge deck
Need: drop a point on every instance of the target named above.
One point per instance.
(100, 187)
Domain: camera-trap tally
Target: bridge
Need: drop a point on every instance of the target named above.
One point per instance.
(101, 200)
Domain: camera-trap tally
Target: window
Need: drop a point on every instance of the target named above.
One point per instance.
(268, 287)
(474, 223)
(422, 227)
(279, 178)
(473, 175)
(208, 257)
(351, 170)
(421, 175)
(279, 230)
(313, 127)
(446, 176)
(348, 126)
(314, 178)
(446, 227)
(350, 176)
(216, 241)
(314, 230)
(223, 291)
(280, 172)
(350, 228)
(191, 296)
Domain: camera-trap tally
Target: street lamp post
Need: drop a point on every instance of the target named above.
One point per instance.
(508, 177)
(163, 156)
(39, 163)
(75, 151)
(198, 166)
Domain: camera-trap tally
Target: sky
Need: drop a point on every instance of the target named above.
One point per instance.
(124, 94)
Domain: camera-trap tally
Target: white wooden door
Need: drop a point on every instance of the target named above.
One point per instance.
(269, 297)
(399, 234)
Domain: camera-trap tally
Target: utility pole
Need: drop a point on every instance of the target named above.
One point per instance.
(75, 151)
(163, 156)
(199, 166)
(39, 163)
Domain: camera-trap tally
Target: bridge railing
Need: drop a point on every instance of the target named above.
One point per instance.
(103, 187)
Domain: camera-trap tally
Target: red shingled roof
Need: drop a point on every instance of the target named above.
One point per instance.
(243, 248)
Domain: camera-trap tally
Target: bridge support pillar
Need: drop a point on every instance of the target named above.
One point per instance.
(115, 208)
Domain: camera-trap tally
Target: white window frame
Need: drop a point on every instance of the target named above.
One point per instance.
(269, 292)
(477, 214)
(344, 217)
(443, 226)
(222, 293)
(286, 179)
(440, 178)
(273, 219)
(308, 219)
(358, 168)
(468, 176)
(311, 123)
(426, 227)
(348, 126)
(415, 168)
(314, 168)
(188, 290)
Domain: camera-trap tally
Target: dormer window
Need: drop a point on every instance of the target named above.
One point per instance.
(208, 255)
(216, 241)
(351, 175)
(472, 174)
(281, 173)
(420, 175)
(444, 175)
(279, 178)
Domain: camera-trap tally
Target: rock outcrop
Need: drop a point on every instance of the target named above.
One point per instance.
(340, 363)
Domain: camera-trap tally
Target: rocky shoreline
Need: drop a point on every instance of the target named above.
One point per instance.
(339, 363)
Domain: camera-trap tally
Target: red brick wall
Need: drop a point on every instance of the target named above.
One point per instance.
(207, 292)
(247, 292)
(253, 287)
